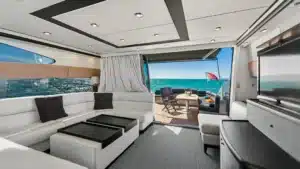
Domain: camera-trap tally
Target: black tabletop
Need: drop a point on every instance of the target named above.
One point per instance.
(98, 133)
(252, 147)
(123, 122)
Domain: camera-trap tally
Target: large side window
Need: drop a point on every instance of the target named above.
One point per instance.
(12, 87)
(13, 54)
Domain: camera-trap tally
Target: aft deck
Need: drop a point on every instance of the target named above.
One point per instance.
(178, 116)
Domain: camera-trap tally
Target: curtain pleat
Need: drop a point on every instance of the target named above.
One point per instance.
(121, 74)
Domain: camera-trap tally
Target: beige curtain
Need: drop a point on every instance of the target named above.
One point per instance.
(121, 74)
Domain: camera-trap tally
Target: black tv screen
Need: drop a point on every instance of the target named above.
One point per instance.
(279, 71)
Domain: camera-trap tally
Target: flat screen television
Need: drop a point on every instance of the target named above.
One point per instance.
(279, 71)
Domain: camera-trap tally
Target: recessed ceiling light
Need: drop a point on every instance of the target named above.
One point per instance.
(122, 40)
(47, 33)
(218, 28)
(90, 46)
(213, 40)
(156, 34)
(264, 30)
(94, 25)
(138, 14)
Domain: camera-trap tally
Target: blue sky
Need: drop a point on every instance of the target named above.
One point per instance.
(13, 54)
(193, 69)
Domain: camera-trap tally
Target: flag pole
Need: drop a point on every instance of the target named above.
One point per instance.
(218, 69)
(220, 92)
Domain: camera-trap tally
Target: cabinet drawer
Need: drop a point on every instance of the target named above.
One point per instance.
(283, 131)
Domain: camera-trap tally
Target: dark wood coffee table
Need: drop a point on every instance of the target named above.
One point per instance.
(122, 122)
(99, 133)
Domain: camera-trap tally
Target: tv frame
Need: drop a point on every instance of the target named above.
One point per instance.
(279, 41)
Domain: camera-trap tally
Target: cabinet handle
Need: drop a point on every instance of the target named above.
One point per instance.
(222, 144)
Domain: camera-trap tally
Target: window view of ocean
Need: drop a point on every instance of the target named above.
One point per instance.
(213, 86)
(34, 87)
(10, 88)
(203, 75)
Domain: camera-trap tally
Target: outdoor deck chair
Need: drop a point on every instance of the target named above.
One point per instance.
(168, 99)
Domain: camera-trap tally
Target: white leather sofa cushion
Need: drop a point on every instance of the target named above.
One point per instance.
(72, 119)
(15, 156)
(17, 105)
(75, 98)
(36, 134)
(17, 122)
(75, 103)
(79, 108)
(210, 123)
(17, 115)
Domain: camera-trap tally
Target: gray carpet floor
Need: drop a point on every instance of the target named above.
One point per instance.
(168, 147)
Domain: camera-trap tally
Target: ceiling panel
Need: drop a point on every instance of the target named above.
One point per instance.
(24, 6)
(116, 20)
(116, 16)
(232, 25)
(286, 19)
(166, 32)
(22, 22)
(203, 8)
(33, 26)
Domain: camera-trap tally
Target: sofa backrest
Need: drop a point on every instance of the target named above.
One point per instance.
(133, 101)
(78, 102)
(17, 112)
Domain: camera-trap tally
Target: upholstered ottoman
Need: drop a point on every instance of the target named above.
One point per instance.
(209, 124)
(209, 129)
(91, 153)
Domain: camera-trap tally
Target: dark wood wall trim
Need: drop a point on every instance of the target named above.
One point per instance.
(35, 71)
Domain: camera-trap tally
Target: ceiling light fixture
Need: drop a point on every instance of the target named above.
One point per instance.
(218, 28)
(264, 30)
(47, 33)
(122, 40)
(90, 46)
(156, 34)
(94, 25)
(138, 14)
(213, 40)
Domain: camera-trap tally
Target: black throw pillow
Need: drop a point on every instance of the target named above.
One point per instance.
(50, 108)
(103, 101)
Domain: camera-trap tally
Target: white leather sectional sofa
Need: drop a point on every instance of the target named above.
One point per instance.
(20, 123)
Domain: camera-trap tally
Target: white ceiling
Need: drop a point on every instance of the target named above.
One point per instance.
(286, 19)
(116, 21)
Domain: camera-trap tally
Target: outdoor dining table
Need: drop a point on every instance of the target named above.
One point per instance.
(187, 98)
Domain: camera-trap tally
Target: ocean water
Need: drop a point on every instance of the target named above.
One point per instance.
(197, 84)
